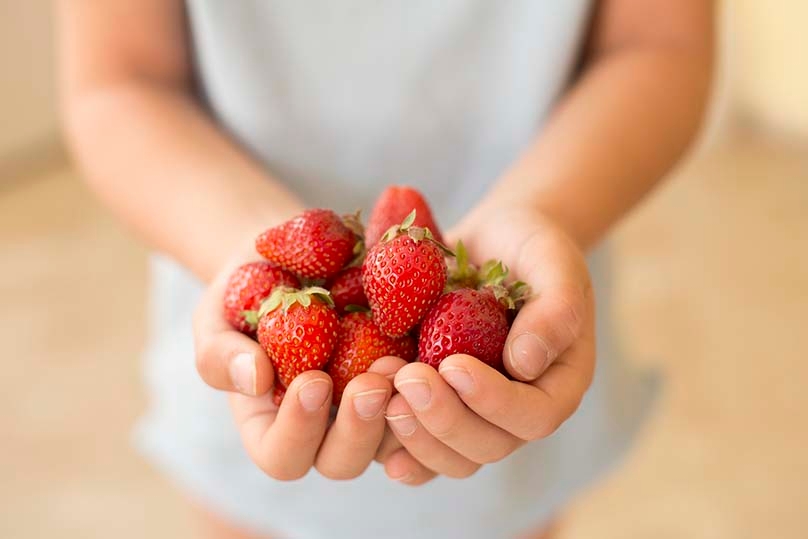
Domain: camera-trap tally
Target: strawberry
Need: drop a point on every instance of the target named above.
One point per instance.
(392, 206)
(298, 330)
(464, 321)
(361, 342)
(472, 321)
(403, 275)
(313, 245)
(247, 287)
(346, 289)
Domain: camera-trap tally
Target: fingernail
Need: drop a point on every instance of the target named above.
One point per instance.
(404, 425)
(368, 404)
(313, 394)
(458, 378)
(529, 355)
(416, 391)
(242, 373)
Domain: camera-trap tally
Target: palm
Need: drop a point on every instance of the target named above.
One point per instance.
(474, 414)
(533, 248)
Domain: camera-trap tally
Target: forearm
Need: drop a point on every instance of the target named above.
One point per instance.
(619, 130)
(158, 161)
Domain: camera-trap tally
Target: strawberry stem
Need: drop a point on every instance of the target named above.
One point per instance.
(464, 274)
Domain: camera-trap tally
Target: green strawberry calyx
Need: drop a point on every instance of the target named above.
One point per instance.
(353, 221)
(462, 273)
(490, 276)
(416, 233)
(493, 274)
(284, 297)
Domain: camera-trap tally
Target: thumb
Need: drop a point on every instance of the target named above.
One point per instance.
(225, 358)
(555, 316)
(544, 328)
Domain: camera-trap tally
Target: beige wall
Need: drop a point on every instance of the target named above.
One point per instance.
(27, 110)
(766, 72)
(770, 62)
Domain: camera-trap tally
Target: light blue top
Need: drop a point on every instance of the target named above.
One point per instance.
(339, 99)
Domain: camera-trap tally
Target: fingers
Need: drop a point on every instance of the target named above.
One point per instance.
(225, 358)
(233, 362)
(558, 313)
(528, 411)
(402, 467)
(387, 446)
(423, 446)
(284, 442)
(440, 411)
(353, 439)
(387, 366)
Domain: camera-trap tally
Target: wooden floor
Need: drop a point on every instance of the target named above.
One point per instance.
(713, 289)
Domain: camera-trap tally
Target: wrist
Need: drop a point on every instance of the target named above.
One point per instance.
(540, 208)
(493, 210)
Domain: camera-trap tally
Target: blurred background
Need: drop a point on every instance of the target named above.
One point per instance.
(713, 290)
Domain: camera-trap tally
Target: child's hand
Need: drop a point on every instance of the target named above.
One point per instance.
(468, 414)
(285, 443)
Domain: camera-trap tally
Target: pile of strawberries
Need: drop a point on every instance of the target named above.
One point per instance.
(334, 297)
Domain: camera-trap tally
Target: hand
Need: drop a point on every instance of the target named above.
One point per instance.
(467, 414)
(397, 461)
(287, 442)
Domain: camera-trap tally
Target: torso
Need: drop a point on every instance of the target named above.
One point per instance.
(339, 99)
(342, 98)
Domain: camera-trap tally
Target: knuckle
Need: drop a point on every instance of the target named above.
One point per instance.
(569, 309)
(444, 430)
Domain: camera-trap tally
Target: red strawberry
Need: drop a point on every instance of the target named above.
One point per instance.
(298, 330)
(392, 206)
(247, 287)
(361, 342)
(313, 245)
(403, 275)
(346, 289)
(464, 321)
